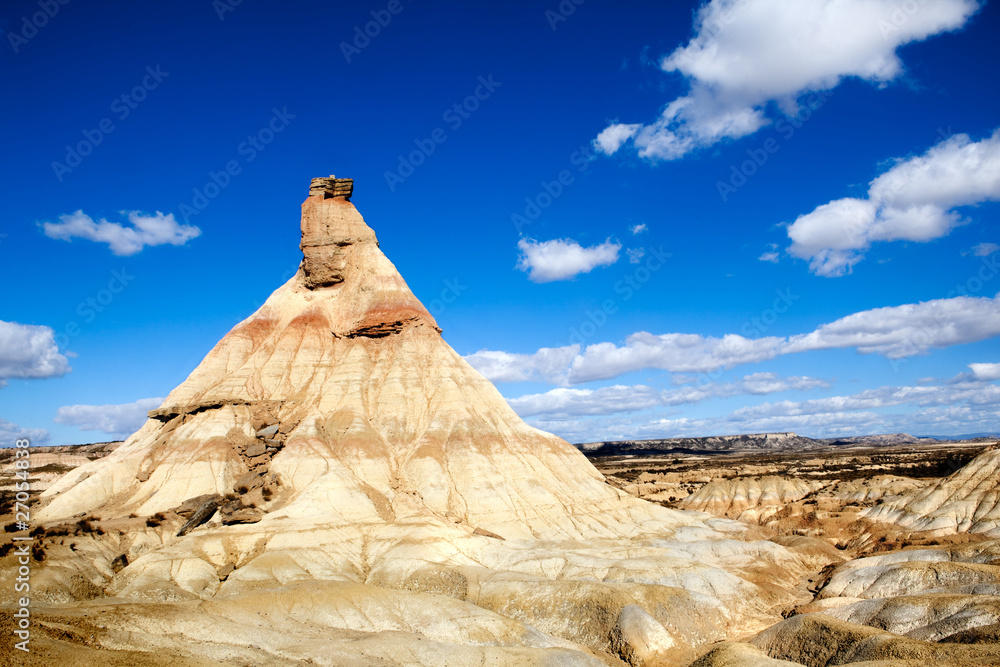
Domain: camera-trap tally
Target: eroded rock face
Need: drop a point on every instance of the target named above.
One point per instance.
(967, 501)
(396, 466)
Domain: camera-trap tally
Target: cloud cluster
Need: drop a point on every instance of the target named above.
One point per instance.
(894, 332)
(29, 351)
(119, 421)
(915, 200)
(564, 402)
(10, 433)
(143, 230)
(562, 259)
(749, 54)
(965, 407)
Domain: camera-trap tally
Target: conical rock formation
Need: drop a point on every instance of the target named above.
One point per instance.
(334, 436)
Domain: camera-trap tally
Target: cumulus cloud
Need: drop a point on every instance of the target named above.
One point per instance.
(915, 200)
(894, 332)
(562, 259)
(948, 409)
(613, 136)
(115, 420)
(683, 353)
(142, 230)
(904, 331)
(635, 255)
(747, 54)
(565, 402)
(550, 364)
(29, 351)
(987, 372)
(10, 433)
(638, 229)
(769, 257)
(985, 249)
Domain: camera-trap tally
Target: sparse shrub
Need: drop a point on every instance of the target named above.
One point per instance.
(35, 532)
(10, 528)
(155, 520)
(38, 552)
(242, 488)
(267, 492)
(5, 549)
(232, 496)
(84, 526)
(133, 515)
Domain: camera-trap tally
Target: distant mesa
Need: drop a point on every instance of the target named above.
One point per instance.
(743, 442)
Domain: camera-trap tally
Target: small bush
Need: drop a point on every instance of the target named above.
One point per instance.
(10, 528)
(242, 488)
(5, 549)
(38, 552)
(155, 520)
(267, 493)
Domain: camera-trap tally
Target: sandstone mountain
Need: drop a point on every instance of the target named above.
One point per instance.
(335, 483)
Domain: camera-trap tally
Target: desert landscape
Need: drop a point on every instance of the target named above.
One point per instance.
(334, 485)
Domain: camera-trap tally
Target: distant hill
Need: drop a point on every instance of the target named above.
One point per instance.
(751, 441)
(745, 442)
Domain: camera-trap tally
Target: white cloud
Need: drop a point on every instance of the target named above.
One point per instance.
(912, 201)
(563, 402)
(613, 136)
(635, 255)
(684, 353)
(11, 433)
(143, 230)
(988, 372)
(29, 351)
(638, 229)
(769, 257)
(985, 249)
(903, 331)
(948, 409)
(549, 363)
(894, 332)
(115, 420)
(747, 54)
(562, 259)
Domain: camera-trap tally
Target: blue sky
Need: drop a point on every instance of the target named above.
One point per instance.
(773, 215)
